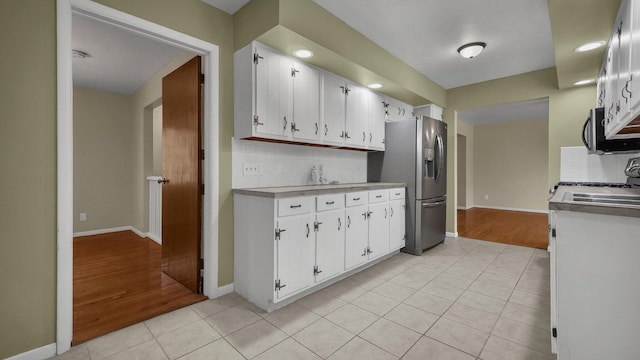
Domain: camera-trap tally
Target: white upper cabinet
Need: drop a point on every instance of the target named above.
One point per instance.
(398, 111)
(306, 102)
(357, 113)
(279, 97)
(333, 106)
(377, 118)
(634, 60)
(621, 69)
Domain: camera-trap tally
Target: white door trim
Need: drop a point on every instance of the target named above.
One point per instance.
(210, 57)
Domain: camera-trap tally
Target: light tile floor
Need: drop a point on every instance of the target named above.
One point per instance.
(464, 299)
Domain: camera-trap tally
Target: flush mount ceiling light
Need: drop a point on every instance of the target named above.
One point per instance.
(589, 46)
(303, 53)
(374, 86)
(471, 50)
(79, 54)
(584, 82)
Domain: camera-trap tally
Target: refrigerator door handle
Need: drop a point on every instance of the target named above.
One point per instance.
(440, 157)
(434, 204)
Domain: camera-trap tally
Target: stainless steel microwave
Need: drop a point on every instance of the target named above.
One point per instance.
(595, 141)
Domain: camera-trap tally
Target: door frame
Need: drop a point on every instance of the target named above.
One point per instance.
(210, 58)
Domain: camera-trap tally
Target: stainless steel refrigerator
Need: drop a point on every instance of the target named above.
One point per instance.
(415, 153)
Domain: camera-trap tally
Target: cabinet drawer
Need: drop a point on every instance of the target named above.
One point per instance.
(357, 198)
(377, 196)
(329, 202)
(294, 206)
(396, 194)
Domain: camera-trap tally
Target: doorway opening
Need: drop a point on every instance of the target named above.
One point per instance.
(503, 173)
(65, 143)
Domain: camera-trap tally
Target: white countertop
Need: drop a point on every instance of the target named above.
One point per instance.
(310, 190)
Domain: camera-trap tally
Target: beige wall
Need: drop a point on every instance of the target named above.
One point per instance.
(466, 130)
(103, 167)
(462, 172)
(156, 141)
(511, 165)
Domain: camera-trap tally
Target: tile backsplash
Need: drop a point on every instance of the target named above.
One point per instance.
(578, 165)
(290, 165)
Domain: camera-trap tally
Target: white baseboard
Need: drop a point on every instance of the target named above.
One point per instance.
(40, 353)
(225, 289)
(451, 234)
(512, 209)
(464, 207)
(111, 230)
(154, 238)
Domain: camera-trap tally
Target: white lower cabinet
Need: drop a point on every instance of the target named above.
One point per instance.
(357, 237)
(312, 239)
(329, 227)
(397, 234)
(295, 250)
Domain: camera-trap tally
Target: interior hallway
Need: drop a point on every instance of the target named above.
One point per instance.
(503, 226)
(117, 282)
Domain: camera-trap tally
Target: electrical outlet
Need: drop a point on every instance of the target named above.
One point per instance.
(252, 169)
(83, 216)
(485, 197)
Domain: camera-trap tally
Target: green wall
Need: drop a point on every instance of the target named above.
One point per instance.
(28, 181)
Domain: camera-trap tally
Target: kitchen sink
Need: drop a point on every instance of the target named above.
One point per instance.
(603, 199)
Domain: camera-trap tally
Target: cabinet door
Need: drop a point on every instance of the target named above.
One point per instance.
(610, 93)
(378, 230)
(329, 244)
(356, 116)
(600, 86)
(272, 94)
(634, 84)
(356, 235)
(397, 234)
(624, 51)
(333, 106)
(377, 117)
(306, 102)
(295, 254)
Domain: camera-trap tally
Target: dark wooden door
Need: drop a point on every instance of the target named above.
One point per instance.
(182, 170)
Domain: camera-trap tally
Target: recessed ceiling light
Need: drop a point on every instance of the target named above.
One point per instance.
(471, 50)
(589, 46)
(79, 54)
(375, 86)
(584, 82)
(303, 53)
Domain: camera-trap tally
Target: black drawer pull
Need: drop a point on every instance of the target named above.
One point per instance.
(330, 202)
(356, 199)
(295, 206)
(398, 194)
(378, 196)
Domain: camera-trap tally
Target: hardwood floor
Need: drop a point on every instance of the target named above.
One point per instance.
(509, 227)
(117, 282)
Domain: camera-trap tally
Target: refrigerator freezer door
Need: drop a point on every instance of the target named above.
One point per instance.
(431, 158)
(431, 221)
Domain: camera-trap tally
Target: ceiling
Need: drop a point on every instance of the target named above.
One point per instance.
(121, 61)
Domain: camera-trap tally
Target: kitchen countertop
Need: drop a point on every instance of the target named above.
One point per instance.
(558, 201)
(310, 190)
